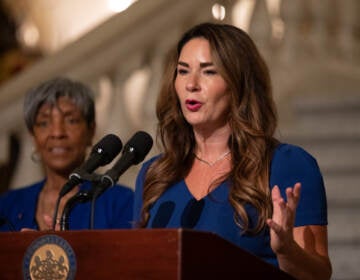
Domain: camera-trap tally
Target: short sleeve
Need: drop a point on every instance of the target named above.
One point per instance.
(292, 164)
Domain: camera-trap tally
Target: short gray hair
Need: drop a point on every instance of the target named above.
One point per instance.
(49, 92)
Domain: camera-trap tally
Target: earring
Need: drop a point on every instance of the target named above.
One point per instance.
(35, 157)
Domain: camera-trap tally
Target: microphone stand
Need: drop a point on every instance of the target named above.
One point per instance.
(98, 189)
(80, 197)
(85, 176)
(110, 178)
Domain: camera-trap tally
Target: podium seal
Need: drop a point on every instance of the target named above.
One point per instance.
(49, 257)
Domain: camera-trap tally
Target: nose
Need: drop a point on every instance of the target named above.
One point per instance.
(57, 129)
(192, 83)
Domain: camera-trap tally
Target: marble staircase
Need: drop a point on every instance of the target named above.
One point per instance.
(329, 128)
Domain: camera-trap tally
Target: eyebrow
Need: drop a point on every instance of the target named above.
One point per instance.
(66, 112)
(202, 64)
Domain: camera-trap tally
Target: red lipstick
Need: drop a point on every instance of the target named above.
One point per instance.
(193, 105)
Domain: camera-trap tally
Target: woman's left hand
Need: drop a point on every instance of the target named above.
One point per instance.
(283, 218)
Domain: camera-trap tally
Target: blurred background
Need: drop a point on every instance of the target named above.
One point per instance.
(118, 46)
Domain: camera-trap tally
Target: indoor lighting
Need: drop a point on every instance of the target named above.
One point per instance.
(29, 34)
(218, 11)
(118, 6)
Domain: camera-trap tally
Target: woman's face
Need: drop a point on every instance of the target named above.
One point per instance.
(61, 136)
(202, 91)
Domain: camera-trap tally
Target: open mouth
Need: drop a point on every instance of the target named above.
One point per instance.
(192, 105)
(58, 150)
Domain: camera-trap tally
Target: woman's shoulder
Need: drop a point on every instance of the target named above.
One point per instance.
(21, 197)
(123, 189)
(293, 163)
(286, 152)
(26, 190)
(145, 166)
(119, 194)
(143, 170)
(148, 162)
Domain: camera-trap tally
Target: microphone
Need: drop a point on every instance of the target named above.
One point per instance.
(163, 214)
(134, 152)
(192, 213)
(101, 154)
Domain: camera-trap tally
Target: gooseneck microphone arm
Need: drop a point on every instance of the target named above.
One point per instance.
(134, 152)
(108, 180)
(80, 197)
(102, 153)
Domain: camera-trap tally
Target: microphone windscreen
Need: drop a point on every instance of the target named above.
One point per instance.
(108, 147)
(192, 213)
(163, 214)
(140, 144)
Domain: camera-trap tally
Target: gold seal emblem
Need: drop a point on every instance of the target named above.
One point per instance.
(49, 257)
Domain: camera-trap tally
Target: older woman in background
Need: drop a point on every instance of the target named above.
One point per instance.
(60, 117)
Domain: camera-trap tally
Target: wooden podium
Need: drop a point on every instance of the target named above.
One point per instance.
(142, 254)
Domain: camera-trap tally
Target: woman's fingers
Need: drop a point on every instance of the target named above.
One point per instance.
(293, 196)
(27, 229)
(284, 211)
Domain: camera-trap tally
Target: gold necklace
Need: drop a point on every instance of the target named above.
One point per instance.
(220, 158)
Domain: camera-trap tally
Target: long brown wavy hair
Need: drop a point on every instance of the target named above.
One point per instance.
(252, 119)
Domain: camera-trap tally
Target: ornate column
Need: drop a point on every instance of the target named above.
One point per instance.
(319, 29)
(292, 13)
(348, 21)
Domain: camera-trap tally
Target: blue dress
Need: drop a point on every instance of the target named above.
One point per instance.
(113, 209)
(177, 207)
